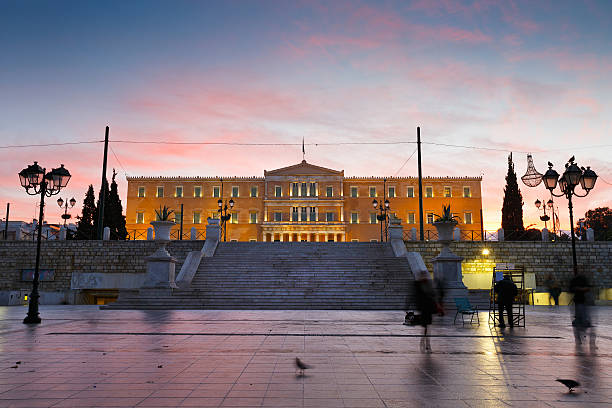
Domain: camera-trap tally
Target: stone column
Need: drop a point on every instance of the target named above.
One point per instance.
(62, 233)
(194, 234)
(149, 234)
(500, 234)
(590, 234)
(545, 235)
(447, 267)
(213, 229)
(106, 234)
(456, 234)
(413, 234)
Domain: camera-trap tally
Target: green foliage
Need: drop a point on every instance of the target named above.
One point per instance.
(85, 225)
(512, 209)
(600, 219)
(106, 221)
(447, 215)
(163, 214)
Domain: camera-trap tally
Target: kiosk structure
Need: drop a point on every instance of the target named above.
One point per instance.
(517, 274)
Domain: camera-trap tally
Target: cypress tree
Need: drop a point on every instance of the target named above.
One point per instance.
(115, 212)
(512, 209)
(85, 225)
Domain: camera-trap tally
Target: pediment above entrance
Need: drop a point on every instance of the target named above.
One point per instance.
(304, 169)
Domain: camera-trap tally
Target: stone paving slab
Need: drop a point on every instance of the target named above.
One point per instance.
(81, 356)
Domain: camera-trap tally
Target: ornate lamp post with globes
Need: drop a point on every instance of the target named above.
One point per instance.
(383, 208)
(65, 215)
(572, 176)
(223, 215)
(36, 181)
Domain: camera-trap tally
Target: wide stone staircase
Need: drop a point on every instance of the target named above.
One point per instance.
(289, 275)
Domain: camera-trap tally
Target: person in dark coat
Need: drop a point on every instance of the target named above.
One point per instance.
(506, 292)
(554, 290)
(426, 303)
(581, 288)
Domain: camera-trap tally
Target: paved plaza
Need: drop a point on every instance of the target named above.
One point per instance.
(84, 357)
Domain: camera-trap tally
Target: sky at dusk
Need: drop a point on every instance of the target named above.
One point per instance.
(502, 76)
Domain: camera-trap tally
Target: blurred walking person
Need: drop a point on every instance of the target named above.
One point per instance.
(554, 290)
(583, 299)
(506, 292)
(426, 303)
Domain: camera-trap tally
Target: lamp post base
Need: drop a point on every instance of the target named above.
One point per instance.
(32, 319)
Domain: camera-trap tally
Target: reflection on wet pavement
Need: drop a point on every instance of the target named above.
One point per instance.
(82, 356)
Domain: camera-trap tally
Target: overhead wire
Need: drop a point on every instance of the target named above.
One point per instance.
(407, 160)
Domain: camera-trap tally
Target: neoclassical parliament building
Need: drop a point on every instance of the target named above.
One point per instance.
(302, 202)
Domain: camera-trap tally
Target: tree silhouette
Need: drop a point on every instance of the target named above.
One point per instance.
(512, 209)
(85, 225)
(600, 219)
(114, 212)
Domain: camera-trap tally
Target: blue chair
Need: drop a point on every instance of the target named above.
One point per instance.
(464, 307)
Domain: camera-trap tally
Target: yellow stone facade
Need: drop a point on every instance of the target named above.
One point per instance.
(302, 202)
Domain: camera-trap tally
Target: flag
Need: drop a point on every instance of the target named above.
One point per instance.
(303, 150)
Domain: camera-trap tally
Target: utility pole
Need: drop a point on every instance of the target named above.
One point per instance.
(181, 228)
(421, 231)
(102, 188)
(8, 206)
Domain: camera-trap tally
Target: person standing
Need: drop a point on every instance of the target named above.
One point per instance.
(554, 290)
(506, 291)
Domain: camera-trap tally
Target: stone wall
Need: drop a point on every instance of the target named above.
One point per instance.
(68, 257)
(540, 258)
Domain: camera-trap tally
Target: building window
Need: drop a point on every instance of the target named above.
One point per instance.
(428, 192)
(354, 240)
(372, 191)
(197, 191)
(160, 191)
(313, 189)
(329, 217)
(295, 189)
(140, 218)
(216, 191)
(373, 219)
(304, 214)
(467, 218)
(448, 192)
(234, 219)
(253, 240)
(410, 192)
(304, 188)
(141, 191)
(354, 192)
(294, 214)
(467, 192)
(253, 218)
(313, 213)
(278, 191)
(214, 215)
(354, 218)
(234, 191)
(254, 191)
(330, 191)
(278, 216)
(430, 218)
(411, 218)
(391, 192)
(196, 217)
(179, 191)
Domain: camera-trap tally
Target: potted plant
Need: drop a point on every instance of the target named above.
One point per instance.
(445, 224)
(163, 225)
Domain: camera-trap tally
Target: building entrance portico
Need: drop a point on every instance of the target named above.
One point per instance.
(303, 233)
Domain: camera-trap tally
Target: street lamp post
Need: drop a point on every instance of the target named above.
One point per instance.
(36, 181)
(572, 176)
(383, 208)
(544, 217)
(69, 204)
(223, 215)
